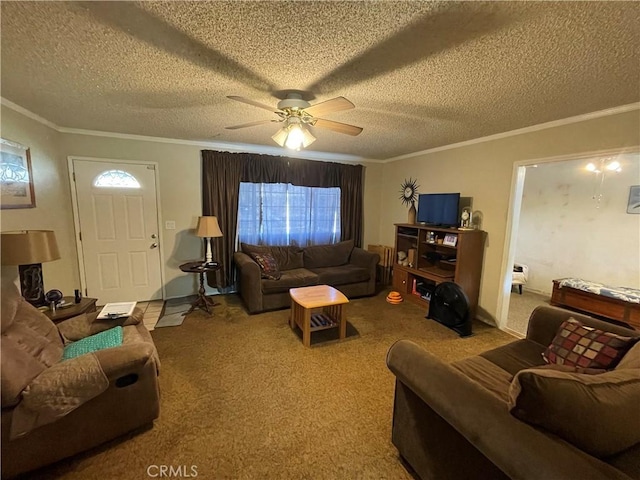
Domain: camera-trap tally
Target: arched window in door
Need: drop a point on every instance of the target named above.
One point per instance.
(116, 179)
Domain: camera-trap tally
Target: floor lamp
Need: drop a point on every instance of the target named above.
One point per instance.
(208, 228)
(28, 249)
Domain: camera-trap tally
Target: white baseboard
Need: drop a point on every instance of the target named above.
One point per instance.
(513, 332)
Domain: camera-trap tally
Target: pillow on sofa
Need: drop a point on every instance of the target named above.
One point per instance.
(287, 257)
(268, 265)
(596, 413)
(333, 255)
(578, 345)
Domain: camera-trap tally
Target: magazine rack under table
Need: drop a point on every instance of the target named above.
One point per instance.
(306, 299)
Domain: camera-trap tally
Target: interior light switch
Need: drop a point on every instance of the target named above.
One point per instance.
(170, 225)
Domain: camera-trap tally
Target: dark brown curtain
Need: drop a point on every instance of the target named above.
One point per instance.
(351, 208)
(221, 176)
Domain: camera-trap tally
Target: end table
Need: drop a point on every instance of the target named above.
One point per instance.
(86, 305)
(201, 268)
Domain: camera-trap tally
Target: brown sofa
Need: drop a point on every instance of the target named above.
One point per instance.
(453, 421)
(54, 408)
(350, 269)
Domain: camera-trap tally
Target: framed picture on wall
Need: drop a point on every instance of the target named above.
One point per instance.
(634, 199)
(16, 180)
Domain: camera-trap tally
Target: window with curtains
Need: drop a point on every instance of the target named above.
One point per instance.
(285, 214)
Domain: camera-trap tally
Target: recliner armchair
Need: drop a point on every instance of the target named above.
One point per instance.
(52, 409)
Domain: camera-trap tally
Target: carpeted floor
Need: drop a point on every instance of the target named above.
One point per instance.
(520, 308)
(242, 398)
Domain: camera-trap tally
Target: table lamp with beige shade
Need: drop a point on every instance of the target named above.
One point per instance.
(208, 228)
(29, 249)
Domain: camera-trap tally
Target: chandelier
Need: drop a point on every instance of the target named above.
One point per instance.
(600, 168)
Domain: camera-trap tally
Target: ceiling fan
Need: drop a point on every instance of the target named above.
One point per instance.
(297, 113)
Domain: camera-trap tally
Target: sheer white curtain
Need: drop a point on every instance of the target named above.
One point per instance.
(285, 214)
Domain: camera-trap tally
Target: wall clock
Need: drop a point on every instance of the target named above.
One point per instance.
(409, 191)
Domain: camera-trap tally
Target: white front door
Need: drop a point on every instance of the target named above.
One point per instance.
(118, 217)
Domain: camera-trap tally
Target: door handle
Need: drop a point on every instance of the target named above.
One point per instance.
(154, 245)
(153, 235)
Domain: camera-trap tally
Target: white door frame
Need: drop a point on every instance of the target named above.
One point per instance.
(513, 220)
(76, 216)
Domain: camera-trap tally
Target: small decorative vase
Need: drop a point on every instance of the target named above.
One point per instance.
(412, 214)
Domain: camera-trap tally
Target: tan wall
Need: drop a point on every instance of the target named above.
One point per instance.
(372, 203)
(484, 171)
(53, 205)
(179, 168)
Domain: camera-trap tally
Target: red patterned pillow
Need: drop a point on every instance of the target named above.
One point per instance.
(268, 265)
(577, 345)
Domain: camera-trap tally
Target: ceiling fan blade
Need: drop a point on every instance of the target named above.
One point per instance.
(334, 105)
(252, 102)
(337, 127)
(250, 124)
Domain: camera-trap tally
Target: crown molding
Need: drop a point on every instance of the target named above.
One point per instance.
(222, 146)
(520, 131)
(309, 154)
(28, 113)
(219, 146)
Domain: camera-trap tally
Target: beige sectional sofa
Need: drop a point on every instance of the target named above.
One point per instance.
(503, 414)
(350, 269)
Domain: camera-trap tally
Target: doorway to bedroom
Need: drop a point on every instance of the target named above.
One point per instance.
(570, 219)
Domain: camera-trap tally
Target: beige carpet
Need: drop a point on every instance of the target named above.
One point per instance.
(242, 398)
(520, 308)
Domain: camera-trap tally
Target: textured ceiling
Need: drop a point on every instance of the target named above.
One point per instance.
(421, 74)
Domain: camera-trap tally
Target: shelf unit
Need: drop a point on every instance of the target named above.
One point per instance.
(433, 262)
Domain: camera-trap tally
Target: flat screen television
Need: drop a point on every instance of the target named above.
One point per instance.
(438, 209)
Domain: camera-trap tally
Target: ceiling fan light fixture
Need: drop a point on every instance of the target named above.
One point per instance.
(294, 102)
(280, 136)
(307, 138)
(297, 115)
(293, 136)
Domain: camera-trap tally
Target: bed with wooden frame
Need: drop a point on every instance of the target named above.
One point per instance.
(616, 303)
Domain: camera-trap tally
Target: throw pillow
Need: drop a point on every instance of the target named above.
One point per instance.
(287, 257)
(596, 413)
(268, 265)
(93, 343)
(578, 345)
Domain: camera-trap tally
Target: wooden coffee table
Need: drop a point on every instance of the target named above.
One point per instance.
(305, 299)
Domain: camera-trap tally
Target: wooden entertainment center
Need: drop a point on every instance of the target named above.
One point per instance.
(437, 255)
